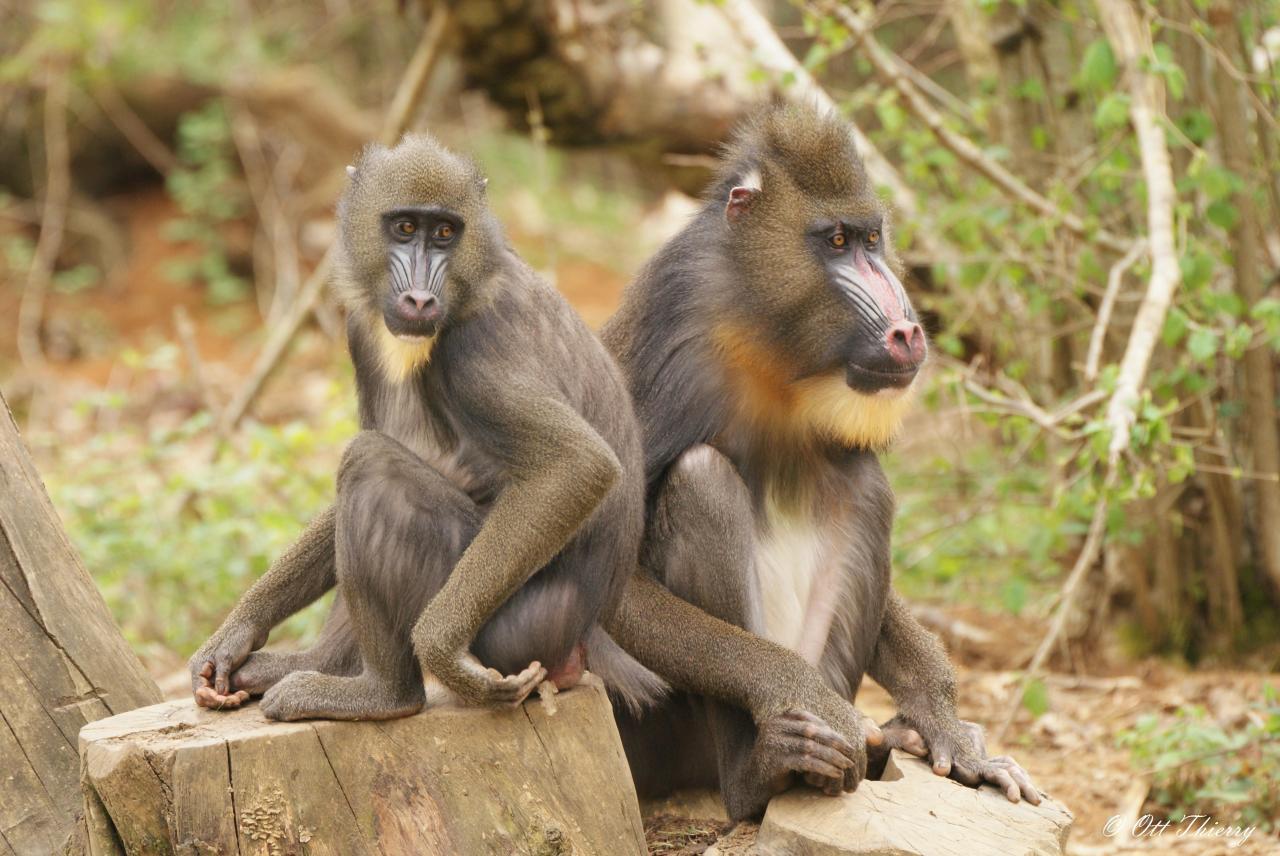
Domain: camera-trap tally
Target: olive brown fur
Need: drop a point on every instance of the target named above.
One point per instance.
(489, 514)
(771, 352)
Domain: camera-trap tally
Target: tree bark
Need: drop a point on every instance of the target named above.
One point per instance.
(63, 662)
(540, 779)
(1259, 361)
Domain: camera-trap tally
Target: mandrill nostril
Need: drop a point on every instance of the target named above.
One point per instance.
(417, 302)
(905, 342)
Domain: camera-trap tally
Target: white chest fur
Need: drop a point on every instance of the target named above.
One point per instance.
(798, 566)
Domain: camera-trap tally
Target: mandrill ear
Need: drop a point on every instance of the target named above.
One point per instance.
(742, 197)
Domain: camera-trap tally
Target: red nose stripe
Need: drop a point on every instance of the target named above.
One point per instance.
(879, 288)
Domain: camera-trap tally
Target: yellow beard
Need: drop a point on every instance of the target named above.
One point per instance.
(821, 406)
(400, 359)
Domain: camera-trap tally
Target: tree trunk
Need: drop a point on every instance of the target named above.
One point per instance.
(63, 662)
(1259, 361)
(539, 780)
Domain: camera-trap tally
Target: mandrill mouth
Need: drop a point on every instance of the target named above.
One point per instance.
(875, 381)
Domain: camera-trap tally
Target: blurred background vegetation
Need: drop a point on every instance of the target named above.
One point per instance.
(167, 176)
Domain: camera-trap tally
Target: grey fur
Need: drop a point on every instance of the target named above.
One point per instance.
(721, 465)
(492, 505)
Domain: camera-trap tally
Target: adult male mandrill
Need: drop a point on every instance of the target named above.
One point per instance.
(490, 512)
(771, 352)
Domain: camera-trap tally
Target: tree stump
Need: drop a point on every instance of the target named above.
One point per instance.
(63, 662)
(173, 778)
(911, 812)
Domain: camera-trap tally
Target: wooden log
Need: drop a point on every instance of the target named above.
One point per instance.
(911, 812)
(173, 778)
(63, 662)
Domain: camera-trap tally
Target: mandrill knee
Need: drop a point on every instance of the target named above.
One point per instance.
(366, 452)
(704, 484)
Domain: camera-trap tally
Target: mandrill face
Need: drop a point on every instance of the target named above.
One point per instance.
(885, 345)
(418, 241)
(814, 262)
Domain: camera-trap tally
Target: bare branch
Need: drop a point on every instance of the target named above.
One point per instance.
(129, 124)
(1130, 39)
(758, 34)
(1084, 562)
(396, 123)
(57, 190)
(1114, 280)
(890, 68)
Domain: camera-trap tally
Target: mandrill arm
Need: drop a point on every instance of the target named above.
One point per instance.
(698, 653)
(912, 666)
(560, 469)
(296, 579)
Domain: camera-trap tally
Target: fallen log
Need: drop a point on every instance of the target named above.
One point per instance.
(173, 778)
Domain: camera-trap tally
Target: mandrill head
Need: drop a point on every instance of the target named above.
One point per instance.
(416, 246)
(818, 321)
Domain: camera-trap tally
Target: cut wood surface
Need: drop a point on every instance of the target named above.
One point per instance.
(63, 662)
(911, 812)
(173, 778)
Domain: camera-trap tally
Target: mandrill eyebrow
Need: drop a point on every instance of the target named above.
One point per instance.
(423, 212)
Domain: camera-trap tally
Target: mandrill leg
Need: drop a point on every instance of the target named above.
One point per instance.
(400, 529)
(335, 653)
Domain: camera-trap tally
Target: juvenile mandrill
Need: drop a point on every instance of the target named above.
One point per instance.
(490, 512)
(771, 352)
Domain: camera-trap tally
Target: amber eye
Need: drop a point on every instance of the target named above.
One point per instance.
(838, 240)
(873, 238)
(406, 227)
(443, 232)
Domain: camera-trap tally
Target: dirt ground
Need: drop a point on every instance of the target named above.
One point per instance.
(1070, 751)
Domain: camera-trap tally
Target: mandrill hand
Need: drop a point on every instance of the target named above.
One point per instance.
(475, 684)
(212, 666)
(800, 742)
(821, 737)
(956, 748)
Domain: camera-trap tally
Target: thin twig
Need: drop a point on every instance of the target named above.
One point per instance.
(1084, 563)
(191, 351)
(53, 219)
(1114, 279)
(758, 35)
(131, 126)
(890, 67)
(397, 121)
(1130, 40)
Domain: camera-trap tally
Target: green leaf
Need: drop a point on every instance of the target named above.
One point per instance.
(1222, 214)
(1035, 698)
(1203, 344)
(1098, 68)
(1112, 112)
(1175, 327)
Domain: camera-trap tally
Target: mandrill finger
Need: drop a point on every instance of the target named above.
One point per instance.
(1029, 791)
(1000, 777)
(941, 761)
(967, 775)
(804, 724)
(207, 697)
(514, 689)
(871, 731)
(808, 764)
(800, 746)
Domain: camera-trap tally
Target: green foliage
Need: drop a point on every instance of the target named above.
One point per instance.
(209, 193)
(170, 574)
(1198, 766)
